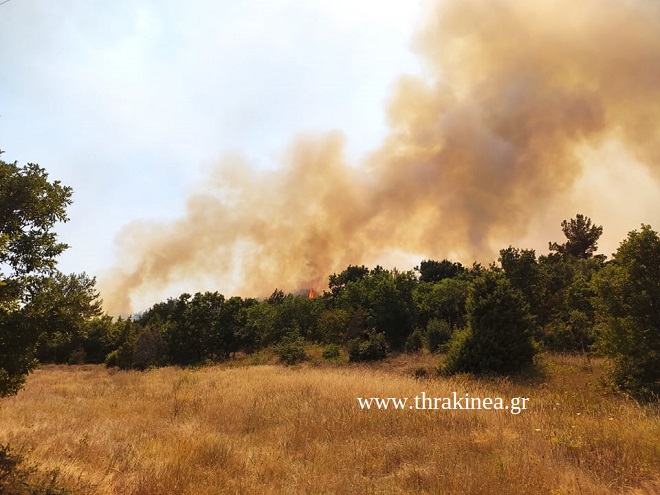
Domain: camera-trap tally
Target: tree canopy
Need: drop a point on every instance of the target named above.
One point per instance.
(33, 295)
(582, 238)
(628, 313)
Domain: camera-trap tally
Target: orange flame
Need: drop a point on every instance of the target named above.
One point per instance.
(312, 294)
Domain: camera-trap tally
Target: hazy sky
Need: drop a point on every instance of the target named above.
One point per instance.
(135, 103)
(131, 101)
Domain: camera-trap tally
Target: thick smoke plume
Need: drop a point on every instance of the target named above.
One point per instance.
(486, 138)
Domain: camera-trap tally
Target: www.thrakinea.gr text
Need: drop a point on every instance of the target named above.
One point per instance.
(453, 402)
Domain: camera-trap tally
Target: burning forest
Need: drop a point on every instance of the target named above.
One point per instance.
(490, 137)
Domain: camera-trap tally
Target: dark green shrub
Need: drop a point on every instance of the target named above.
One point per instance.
(291, 349)
(628, 314)
(121, 358)
(332, 352)
(415, 341)
(77, 357)
(438, 333)
(111, 359)
(498, 338)
(149, 349)
(373, 348)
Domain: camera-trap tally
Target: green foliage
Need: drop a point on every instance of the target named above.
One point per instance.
(260, 327)
(30, 206)
(63, 306)
(17, 478)
(149, 349)
(574, 334)
(332, 352)
(112, 359)
(34, 297)
(291, 349)
(204, 327)
(498, 338)
(628, 313)
(300, 313)
(435, 271)
(415, 341)
(444, 300)
(385, 300)
(582, 238)
(438, 333)
(372, 348)
(333, 325)
(351, 274)
(522, 270)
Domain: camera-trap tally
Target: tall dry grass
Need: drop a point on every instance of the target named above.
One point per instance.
(269, 429)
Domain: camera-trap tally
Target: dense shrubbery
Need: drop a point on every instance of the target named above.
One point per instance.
(372, 348)
(487, 319)
(498, 337)
(291, 349)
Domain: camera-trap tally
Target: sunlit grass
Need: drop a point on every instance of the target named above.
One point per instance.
(271, 429)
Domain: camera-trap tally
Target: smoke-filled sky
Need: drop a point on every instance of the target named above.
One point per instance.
(268, 144)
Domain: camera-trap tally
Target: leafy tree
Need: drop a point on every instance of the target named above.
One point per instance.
(434, 271)
(371, 348)
(628, 313)
(62, 306)
(333, 325)
(101, 337)
(291, 349)
(260, 327)
(30, 206)
(351, 274)
(149, 349)
(203, 327)
(444, 300)
(582, 238)
(415, 341)
(438, 333)
(385, 299)
(299, 314)
(498, 337)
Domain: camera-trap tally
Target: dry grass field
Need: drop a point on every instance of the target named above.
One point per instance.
(270, 429)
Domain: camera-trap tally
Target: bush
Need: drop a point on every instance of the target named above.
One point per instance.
(628, 314)
(77, 357)
(291, 350)
(373, 348)
(498, 339)
(18, 479)
(148, 349)
(414, 342)
(111, 359)
(332, 352)
(438, 333)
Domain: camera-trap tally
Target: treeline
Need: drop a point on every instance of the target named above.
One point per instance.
(488, 319)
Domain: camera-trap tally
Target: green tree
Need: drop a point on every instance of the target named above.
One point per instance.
(62, 306)
(628, 313)
(498, 336)
(434, 271)
(385, 299)
(353, 273)
(582, 238)
(444, 300)
(30, 206)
